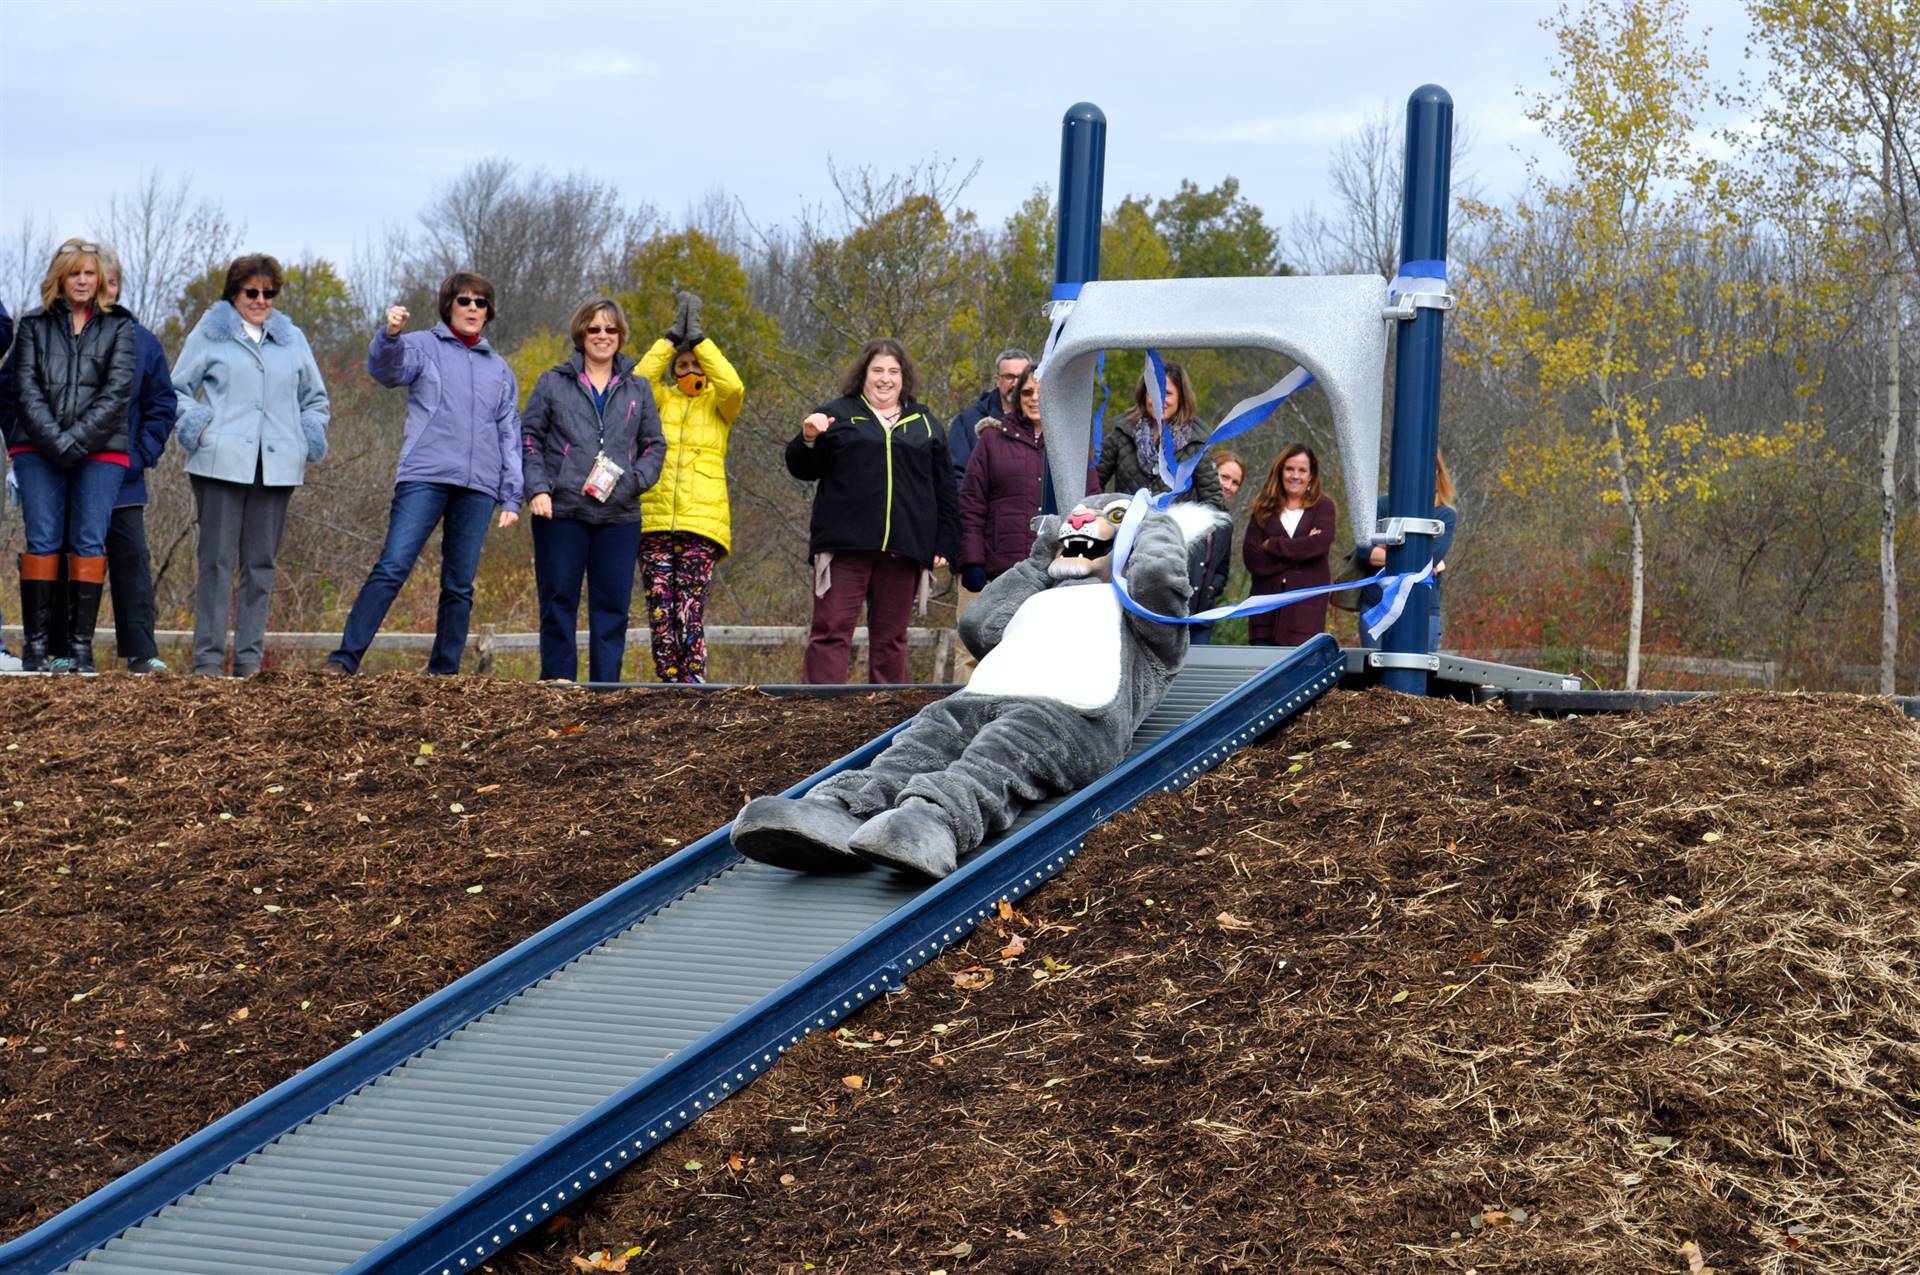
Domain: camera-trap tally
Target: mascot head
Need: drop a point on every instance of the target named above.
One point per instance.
(1086, 539)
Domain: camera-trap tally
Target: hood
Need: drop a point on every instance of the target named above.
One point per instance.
(445, 333)
(222, 322)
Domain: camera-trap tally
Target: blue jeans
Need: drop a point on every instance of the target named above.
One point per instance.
(564, 549)
(417, 509)
(67, 510)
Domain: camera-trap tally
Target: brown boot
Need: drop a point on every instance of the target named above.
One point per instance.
(39, 585)
(85, 579)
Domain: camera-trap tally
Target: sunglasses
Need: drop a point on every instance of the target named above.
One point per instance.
(254, 294)
(594, 329)
(482, 302)
(68, 250)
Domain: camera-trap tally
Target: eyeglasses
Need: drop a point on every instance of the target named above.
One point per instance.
(482, 302)
(594, 329)
(254, 294)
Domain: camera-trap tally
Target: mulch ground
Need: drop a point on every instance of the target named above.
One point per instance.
(206, 886)
(1411, 986)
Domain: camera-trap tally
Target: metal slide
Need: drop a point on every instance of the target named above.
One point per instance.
(465, 1122)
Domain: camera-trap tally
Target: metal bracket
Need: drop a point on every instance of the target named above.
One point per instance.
(1402, 659)
(1394, 531)
(1408, 304)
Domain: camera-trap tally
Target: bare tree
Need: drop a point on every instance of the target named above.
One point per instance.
(546, 243)
(166, 239)
(23, 263)
(1361, 233)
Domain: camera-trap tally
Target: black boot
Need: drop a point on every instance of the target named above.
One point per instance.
(39, 587)
(85, 578)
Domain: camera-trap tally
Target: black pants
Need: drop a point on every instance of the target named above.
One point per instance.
(130, 577)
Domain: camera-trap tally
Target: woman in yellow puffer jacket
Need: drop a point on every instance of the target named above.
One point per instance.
(685, 524)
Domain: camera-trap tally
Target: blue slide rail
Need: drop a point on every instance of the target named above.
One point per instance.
(506, 1205)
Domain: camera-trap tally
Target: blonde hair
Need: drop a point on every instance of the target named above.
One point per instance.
(1442, 481)
(68, 260)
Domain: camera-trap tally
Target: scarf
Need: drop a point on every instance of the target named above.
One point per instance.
(1146, 441)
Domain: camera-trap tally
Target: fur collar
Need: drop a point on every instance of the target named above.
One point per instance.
(222, 322)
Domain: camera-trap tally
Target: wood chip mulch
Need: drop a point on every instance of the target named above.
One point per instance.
(1409, 986)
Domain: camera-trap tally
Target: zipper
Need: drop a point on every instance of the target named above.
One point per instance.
(886, 433)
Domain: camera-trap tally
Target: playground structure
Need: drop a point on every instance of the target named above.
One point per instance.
(466, 1122)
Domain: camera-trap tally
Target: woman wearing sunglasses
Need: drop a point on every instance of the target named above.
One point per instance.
(593, 444)
(253, 413)
(459, 457)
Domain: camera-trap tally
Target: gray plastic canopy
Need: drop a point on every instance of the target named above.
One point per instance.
(1333, 326)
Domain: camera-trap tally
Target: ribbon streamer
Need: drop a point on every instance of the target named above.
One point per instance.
(1395, 587)
(1418, 276)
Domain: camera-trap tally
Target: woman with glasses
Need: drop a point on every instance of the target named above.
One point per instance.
(253, 414)
(74, 368)
(593, 444)
(1002, 490)
(459, 457)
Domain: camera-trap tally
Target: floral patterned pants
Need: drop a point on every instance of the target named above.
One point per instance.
(677, 566)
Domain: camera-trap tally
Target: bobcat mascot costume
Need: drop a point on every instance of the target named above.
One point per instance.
(1066, 676)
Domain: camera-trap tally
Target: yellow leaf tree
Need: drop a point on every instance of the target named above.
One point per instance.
(1603, 296)
(1840, 123)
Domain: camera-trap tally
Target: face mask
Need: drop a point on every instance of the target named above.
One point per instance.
(691, 383)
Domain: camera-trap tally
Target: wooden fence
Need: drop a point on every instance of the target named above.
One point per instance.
(490, 643)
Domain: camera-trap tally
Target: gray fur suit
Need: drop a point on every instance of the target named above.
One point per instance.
(1066, 676)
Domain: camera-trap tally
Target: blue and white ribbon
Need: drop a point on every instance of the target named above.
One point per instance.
(1064, 296)
(1245, 415)
(1418, 276)
(1395, 587)
(1379, 617)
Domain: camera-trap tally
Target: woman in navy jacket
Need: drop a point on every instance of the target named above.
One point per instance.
(884, 515)
(592, 445)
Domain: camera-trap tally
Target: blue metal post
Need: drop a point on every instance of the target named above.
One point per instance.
(1076, 252)
(1416, 371)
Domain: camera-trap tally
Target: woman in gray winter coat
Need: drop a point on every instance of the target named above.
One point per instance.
(253, 414)
(592, 444)
(1127, 455)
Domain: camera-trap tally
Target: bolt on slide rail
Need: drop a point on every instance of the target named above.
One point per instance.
(463, 1123)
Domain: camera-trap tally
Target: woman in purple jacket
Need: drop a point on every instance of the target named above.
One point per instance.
(459, 457)
(1289, 536)
(1002, 489)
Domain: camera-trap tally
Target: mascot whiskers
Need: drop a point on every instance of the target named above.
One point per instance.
(1066, 676)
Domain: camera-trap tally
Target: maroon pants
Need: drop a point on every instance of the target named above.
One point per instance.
(885, 583)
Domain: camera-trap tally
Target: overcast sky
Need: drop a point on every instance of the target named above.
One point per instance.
(313, 123)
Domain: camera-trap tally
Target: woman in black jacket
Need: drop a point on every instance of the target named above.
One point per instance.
(74, 366)
(884, 515)
(592, 445)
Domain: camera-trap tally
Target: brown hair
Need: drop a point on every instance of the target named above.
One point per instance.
(1019, 386)
(577, 325)
(68, 260)
(1443, 493)
(1273, 493)
(474, 286)
(1176, 377)
(245, 268)
(854, 383)
(1226, 456)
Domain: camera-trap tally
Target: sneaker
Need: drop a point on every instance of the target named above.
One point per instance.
(147, 664)
(63, 664)
(9, 662)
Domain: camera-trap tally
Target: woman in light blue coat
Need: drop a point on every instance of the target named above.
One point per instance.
(253, 413)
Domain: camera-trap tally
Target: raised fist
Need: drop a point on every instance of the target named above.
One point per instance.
(396, 319)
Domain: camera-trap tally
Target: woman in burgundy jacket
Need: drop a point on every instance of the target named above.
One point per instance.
(1289, 538)
(1002, 489)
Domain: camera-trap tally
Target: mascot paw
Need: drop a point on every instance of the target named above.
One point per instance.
(803, 834)
(915, 835)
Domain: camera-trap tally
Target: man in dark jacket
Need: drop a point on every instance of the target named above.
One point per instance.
(995, 401)
(150, 419)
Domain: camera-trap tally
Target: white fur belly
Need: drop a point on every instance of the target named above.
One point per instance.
(1062, 644)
